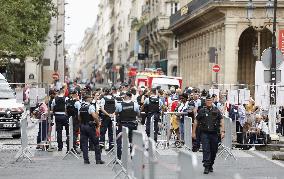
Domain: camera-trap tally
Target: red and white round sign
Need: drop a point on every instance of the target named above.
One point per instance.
(55, 76)
(216, 68)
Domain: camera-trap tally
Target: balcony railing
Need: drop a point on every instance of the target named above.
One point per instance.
(187, 10)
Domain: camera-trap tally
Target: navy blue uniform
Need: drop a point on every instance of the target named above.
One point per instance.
(152, 108)
(88, 131)
(209, 123)
(127, 117)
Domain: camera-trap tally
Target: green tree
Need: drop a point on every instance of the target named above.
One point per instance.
(24, 25)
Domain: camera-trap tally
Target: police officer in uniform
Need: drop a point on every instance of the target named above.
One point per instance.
(152, 106)
(90, 126)
(59, 109)
(210, 123)
(127, 112)
(73, 106)
(107, 103)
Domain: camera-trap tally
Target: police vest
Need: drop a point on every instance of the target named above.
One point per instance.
(70, 108)
(153, 106)
(59, 104)
(119, 99)
(109, 105)
(209, 120)
(127, 114)
(84, 114)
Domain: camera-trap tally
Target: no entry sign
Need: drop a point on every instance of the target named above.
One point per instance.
(216, 68)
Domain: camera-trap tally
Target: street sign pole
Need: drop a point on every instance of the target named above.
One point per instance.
(273, 62)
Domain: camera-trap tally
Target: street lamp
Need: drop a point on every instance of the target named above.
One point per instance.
(271, 12)
(250, 8)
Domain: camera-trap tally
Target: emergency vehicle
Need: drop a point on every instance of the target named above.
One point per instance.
(152, 78)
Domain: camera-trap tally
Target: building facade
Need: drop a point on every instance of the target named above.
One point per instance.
(156, 40)
(222, 26)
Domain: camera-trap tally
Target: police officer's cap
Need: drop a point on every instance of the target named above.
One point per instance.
(129, 94)
(124, 84)
(208, 97)
(204, 93)
(106, 90)
(113, 88)
(214, 95)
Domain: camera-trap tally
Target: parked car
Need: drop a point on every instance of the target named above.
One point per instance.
(10, 110)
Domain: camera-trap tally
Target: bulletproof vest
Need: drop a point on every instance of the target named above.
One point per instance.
(208, 120)
(109, 105)
(119, 99)
(59, 104)
(153, 106)
(127, 114)
(84, 113)
(70, 108)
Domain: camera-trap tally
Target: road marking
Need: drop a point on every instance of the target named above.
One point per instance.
(268, 159)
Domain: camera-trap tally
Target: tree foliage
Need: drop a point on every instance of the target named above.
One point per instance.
(24, 25)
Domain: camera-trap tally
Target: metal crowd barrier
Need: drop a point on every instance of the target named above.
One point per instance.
(24, 151)
(71, 147)
(141, 156)
(165, 130)
(188, 133)
(227, 142)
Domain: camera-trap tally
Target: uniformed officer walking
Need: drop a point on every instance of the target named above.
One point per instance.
(58, 107)
(210, 122)
(152, 106)
(127, 112)
(90, 126)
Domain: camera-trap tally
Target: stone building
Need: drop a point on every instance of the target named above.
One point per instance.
(223, 26)
(155, 37)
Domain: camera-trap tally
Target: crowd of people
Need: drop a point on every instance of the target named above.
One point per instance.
(94, 109)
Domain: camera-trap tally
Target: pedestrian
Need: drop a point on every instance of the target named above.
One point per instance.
(40, 113)
(210, 123)
(127, 112)
(90, 127)
(58, 107)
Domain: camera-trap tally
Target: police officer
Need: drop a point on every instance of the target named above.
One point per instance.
(73, 106)
(107, 103)
(58, 107)
(127, 112)
(210, 123)
(152, 106)
(90, 126)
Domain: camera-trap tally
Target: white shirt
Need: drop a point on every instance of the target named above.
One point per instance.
(263, 127)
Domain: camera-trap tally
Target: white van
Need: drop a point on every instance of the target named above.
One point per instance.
(10, 111)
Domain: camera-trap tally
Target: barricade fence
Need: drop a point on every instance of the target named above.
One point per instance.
(144, 163)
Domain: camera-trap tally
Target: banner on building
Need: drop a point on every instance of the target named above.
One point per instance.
(281, 41)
